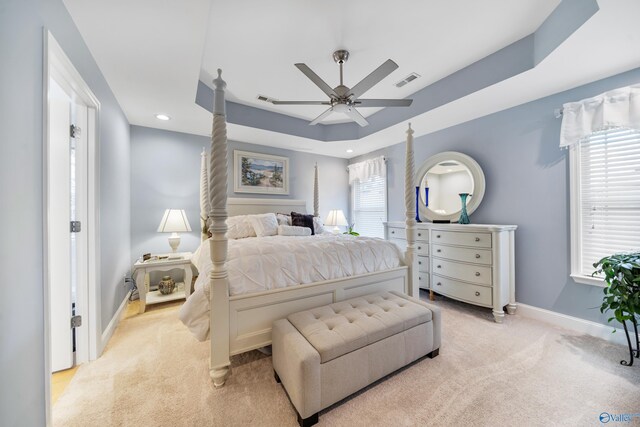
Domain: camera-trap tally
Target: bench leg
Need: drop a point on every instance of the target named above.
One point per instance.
(275, 375)
(434, 353)
(308, 422)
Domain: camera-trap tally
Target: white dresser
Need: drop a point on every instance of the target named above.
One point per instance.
(473, 263)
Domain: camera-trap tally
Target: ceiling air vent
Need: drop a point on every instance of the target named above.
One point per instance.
(411, 77)
(265, 98)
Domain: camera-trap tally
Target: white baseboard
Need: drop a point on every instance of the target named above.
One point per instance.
(573, 323)
(111, 327)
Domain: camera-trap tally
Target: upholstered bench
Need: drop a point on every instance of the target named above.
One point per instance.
(325, 354)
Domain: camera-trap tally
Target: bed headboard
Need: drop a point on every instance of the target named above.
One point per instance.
(246, 206)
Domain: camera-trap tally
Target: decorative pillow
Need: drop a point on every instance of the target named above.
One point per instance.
(264, 224)
(292, 230)
(283, 219)
(318, 225)
(302, 220)
(240, 227)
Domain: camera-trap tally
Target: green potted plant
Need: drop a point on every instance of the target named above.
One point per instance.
(621, 273)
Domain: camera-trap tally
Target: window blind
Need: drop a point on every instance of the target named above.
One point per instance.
(370, 206)
(609, 195)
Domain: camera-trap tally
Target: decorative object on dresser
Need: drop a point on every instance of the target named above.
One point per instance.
(260, 173)
(464, 216)
(336, 219)
(163, 263)
(418, 202)
(444, 177)
(473, 263)
(174, 221)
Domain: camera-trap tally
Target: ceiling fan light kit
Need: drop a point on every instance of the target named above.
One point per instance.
(343, 99)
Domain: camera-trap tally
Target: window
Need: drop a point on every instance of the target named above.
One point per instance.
(605, 199)
(369, 205)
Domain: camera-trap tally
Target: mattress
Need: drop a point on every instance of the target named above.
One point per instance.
(257, 264)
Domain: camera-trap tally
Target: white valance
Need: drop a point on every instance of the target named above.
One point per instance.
(363, 171)
(619, 108)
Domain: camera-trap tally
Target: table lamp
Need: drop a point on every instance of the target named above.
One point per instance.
(336, 218)
(174, 221)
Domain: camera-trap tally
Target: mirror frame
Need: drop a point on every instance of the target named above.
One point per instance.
(478, 183)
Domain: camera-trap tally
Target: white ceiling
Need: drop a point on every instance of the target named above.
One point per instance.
(152, 53)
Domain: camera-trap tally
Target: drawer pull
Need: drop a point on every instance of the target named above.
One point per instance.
(477, 256)
(438, 236)
(477, 273)
(419, 234)
(477, 239)
(419, 277)
(477, 293)
(420, 262)
(439, 284)
(439, 250)
(439, 266)
(393, 232)
(419, 247)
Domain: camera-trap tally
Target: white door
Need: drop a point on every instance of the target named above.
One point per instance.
(66, 203)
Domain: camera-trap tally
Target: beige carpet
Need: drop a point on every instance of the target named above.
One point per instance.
(519, 373)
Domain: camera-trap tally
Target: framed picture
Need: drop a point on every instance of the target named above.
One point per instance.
(260, 173)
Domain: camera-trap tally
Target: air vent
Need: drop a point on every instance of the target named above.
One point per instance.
(411, 77)
(265, 98)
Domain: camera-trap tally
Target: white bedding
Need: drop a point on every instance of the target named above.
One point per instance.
(257, 264)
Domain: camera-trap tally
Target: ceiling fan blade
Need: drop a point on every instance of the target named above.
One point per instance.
(357, 117)
(301, 102)
(317, 80)
(374, 78)
(383, 102)
(320, 117)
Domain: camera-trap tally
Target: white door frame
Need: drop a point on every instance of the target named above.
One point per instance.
(57, 65)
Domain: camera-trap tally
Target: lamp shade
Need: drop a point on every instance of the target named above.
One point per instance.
(336, 218)
(174, 221)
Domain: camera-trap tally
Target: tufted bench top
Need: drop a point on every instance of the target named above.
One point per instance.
(346, 326)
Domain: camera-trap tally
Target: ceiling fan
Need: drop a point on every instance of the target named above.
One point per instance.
(343, 99)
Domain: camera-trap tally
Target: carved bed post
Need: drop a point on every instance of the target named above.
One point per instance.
(411, 257)
(316, 196)
(205, 205)
(219, 366)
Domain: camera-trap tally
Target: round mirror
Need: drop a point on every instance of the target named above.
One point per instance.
(442, 178)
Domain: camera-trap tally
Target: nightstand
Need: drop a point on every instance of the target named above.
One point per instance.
(177, 261)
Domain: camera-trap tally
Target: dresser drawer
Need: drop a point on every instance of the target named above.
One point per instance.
(478, 240)
(396, 233)
(423, 264)
(400, 242)
(423, 280)
(422, 235)
(479, 256)
(422, 248)
(479, 295)
(467, 272)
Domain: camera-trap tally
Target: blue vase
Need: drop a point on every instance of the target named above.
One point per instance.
(426, 196)
(464, 217)
(418, 204)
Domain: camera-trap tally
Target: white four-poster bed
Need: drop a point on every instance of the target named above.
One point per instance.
(240, 323)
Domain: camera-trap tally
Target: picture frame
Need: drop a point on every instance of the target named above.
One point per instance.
(260, 173)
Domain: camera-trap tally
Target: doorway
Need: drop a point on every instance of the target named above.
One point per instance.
(71, 246)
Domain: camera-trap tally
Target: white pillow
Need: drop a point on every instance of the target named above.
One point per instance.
(240, 227)
(318, 225)
(264, 224)
(283, 219)
(293, 230)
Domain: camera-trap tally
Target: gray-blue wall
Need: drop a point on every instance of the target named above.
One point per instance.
(165, 173)
(22, 399)
(527, 178)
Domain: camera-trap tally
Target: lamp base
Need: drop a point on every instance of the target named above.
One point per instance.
(336, 230)
(174, 242)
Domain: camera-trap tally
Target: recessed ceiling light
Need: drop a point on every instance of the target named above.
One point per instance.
(162, 117)
(349, 150)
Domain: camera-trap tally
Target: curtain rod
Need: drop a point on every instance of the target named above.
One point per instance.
(558, 112)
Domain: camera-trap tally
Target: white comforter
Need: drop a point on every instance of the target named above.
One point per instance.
(261, 263)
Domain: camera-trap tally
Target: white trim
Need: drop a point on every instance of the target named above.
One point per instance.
(574, 213)
(587, 280)
(576, 324)
(57, 65)
(113, 323)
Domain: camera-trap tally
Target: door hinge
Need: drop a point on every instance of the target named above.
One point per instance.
(76, 321)
(76, 226)
(74, 131)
